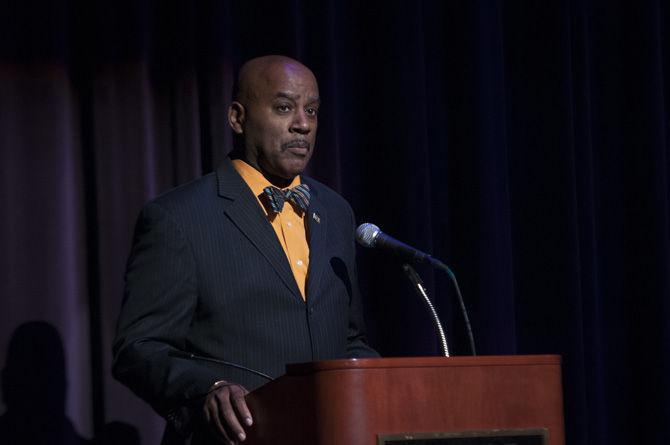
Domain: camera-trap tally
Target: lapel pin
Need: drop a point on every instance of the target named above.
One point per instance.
(316, 217)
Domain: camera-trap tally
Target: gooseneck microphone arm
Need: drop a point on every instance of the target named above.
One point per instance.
(369, 235)
(461, 303)
(421, 291)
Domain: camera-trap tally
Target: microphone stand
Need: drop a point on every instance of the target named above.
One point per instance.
(420, 289)
(443, 267)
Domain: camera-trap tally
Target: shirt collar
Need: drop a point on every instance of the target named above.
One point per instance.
(255, 179)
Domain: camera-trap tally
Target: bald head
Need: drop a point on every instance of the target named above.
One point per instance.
(274, 116)
(257, 73)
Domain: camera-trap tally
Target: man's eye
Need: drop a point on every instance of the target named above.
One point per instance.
(283, 108)
(312, 111)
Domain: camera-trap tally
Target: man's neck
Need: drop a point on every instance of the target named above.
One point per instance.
(277, 181)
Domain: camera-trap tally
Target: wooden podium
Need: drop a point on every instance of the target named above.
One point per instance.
(427, 400)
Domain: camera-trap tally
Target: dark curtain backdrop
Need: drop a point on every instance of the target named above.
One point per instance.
(522, 142)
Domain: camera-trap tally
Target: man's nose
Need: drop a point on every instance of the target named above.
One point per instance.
(301, 123)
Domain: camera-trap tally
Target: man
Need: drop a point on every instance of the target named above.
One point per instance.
(253, 264)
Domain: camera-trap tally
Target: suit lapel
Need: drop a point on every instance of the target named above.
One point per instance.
(317, 223)
(243, 210)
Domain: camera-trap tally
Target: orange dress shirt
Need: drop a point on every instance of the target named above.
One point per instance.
(289, 224)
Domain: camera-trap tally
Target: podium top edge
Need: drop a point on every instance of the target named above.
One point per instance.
(421, 362)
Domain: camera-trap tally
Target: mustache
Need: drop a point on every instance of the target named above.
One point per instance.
(296, 143)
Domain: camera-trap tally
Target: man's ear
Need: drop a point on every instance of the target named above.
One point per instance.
(236, 117)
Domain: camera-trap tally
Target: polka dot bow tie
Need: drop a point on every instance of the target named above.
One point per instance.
(298, 195)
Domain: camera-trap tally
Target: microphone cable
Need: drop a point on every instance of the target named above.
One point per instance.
(191, 356)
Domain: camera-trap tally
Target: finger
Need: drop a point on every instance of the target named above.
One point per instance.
(240, 405)
(228, 416)
(211, 411)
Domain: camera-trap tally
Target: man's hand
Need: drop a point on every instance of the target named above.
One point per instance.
(225, 411)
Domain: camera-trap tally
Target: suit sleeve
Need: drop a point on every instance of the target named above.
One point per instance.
(159, 303)
(357, 346)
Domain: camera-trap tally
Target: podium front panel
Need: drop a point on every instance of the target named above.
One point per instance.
(358, 401)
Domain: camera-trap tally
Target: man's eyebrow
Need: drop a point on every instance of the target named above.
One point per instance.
(287, 95)
(294, 97)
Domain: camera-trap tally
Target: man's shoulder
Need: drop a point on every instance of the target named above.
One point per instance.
(325, 194)
(188, 194)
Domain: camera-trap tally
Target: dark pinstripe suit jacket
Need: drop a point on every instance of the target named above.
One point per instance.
(207, 275)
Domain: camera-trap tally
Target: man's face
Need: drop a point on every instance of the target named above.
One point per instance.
(279, 127)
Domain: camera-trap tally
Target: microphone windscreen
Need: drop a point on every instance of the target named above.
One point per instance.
(366, 234)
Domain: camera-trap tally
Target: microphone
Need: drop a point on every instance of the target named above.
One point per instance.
(190, 356)
(369, 235)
